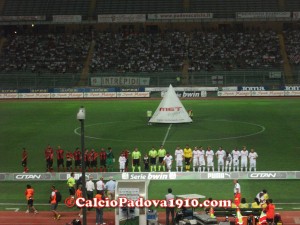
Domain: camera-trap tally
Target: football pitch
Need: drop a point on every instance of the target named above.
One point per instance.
(270, 126)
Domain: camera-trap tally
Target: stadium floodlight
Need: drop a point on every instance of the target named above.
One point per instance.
(81, 118)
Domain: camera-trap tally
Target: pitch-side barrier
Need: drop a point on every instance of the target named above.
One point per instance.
(258, 175)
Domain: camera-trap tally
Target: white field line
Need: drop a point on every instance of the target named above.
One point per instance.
(166, 136)
(14, 209)
(1, 203)
(262, 129)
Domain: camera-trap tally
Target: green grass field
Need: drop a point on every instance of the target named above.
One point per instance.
(270, 126)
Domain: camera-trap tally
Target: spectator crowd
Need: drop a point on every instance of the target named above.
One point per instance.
(292, 45)
(152, 52)
(54, 53)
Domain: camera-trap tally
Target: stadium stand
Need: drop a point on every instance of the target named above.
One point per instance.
(56, 53)
(25, 8)
(38, 80)
(227, 9)
(222, 9)
(205, 50)
(68, 7)
(227, 54)
(156, 49)
(45, 7)
(292, 43)
(138, 6)
(292, 5)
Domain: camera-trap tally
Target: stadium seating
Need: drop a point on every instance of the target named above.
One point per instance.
(292, 5)
(244, 57)
(206, 51)
(37, 80)
(292, 45)
(25, 8)
(221, 9)
(138, 6)
(68, 7)
(57, 53)
(227, 9)
(45, 7)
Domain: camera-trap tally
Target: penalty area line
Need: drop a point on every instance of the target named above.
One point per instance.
(166, 136)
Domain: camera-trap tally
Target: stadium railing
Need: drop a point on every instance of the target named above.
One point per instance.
(17, 80)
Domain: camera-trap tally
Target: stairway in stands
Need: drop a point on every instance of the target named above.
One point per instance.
(185, 72)
(2, 3)
(281, 4)
(86, 67)
(92, 9)
(2, 42)
(286, 64)
(186, 5)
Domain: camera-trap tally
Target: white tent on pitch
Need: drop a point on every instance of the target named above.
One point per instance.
(170, 110)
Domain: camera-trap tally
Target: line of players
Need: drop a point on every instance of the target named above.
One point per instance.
(199, 159)
(90, 158)
(156, 160)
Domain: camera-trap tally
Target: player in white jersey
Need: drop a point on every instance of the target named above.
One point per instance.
(220, 154)
(228, 162)
(179, 158)
(195, 158)
(210, 159)
(244, 159)
(201, 160)
(252, 159)
(122, 162)
(236, 159)
(168, 159)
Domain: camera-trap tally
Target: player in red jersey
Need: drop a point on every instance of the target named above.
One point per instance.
(24, 160)
(90, 160)
(49, 158)
(60, 158)
(69, 159)
(93, 156)
(126, 153)
(77, 158)
(103, 157)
